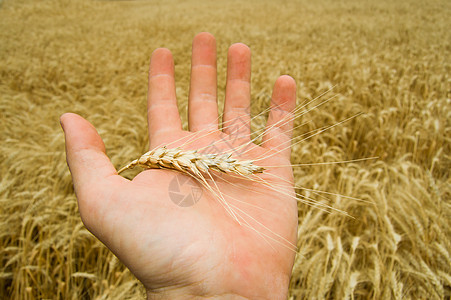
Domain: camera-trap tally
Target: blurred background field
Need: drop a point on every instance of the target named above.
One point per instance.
(387, 59)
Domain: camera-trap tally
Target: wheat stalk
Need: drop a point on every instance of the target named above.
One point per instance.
(194, 162)
(197, 164)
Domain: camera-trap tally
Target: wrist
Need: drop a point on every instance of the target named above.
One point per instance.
(275, 288)
(186, 294)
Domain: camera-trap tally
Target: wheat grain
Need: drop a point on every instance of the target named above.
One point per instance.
(194, 162)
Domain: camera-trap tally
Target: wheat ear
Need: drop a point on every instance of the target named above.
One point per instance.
(193, 161)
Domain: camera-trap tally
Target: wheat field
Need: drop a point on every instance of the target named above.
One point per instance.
(389, 60)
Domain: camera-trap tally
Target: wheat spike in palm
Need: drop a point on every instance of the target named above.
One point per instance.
(202, 250)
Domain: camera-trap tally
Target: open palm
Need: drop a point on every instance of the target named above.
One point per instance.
(237, 239)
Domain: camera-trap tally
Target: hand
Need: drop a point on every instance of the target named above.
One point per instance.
(200, 250)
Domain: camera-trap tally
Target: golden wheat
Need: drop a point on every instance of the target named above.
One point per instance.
(388, 59)
(194, 162)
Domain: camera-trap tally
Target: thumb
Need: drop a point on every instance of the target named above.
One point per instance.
(85, 152)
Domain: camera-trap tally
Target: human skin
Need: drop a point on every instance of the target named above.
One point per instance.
(199, 251)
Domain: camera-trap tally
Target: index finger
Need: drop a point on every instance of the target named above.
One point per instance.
(162, 111)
